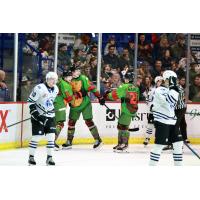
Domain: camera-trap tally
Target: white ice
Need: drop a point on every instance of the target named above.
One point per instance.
(84, 155)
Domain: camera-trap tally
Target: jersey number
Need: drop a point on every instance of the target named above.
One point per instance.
(133, 97)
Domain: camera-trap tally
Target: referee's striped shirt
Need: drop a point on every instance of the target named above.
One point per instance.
(181, 99)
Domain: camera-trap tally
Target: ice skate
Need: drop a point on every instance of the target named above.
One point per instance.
(98, 144)
(50, 161)
(67, 145)
(56, 147)
(115, 147)
(146, 141)
(31, 161)
(123, 148)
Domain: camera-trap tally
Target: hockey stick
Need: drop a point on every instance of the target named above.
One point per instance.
(192, 150)
(18, 122)
(130, 129)
(26, 119)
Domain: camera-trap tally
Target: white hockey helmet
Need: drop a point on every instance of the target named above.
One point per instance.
(169, 73)
(158, 78)
(52, 75)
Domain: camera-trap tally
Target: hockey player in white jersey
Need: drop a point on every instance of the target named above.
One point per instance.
(149, 100)
(43, 116)
(164, 103)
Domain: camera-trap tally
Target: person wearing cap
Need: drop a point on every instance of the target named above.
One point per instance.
(64, 61)
(64, 97)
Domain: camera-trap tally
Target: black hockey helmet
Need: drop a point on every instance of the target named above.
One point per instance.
(74, 67)
(67, 73)
(130, 76)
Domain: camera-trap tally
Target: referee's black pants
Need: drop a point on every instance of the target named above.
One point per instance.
(180, 126)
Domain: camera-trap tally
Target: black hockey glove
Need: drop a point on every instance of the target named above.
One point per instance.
(36, 115)
(101, 100)
(173, 84)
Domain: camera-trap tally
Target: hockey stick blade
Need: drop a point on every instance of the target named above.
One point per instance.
(133, 129)
(192, 150)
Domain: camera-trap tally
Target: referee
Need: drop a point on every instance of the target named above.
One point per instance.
(180, 111)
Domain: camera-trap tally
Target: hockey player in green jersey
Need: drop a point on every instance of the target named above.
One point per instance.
(65, 96)
(81, 104)
(129, 95)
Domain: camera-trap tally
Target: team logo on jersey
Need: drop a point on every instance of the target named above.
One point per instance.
(110, 115)
(49, 103)
(33, 94)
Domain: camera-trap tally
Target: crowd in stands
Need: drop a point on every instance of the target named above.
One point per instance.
(156, 54)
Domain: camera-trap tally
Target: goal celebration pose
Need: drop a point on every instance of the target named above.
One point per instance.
(43, 116)
(81, 104)
(129, 95)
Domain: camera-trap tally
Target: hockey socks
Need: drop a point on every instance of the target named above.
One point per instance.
(178, 153)
(50, 143)
(33, 144)
(155, 154)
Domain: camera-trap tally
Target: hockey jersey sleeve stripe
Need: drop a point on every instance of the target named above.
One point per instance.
(172, 104)
(171, 99)
(31, 100)
(155, 112)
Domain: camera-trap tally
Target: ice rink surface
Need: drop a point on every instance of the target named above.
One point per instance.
(84, 155)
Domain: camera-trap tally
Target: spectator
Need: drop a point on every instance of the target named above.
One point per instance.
(143, 70)
(92, 54)
(192, 72)
(79, 56)
(115, 80)
(131, 49)
(4, 92)
(111, 58)
(166, 59)
(194, 90)
(111, 41)
(106, 73)
(141, 87)
(64, 61)
(147, 85)
(47, 44)
(32, 41)
(161, 48)
(93, 69)
(144, 49)
(26, 88)
(125, 59)
(83, 44)
(86, 72)
(179, 48)
(156, 71)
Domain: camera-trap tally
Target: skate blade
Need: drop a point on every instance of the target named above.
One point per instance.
(66, 148)
(99, 147)
(49, 164)
(119, 151)
(31, 164)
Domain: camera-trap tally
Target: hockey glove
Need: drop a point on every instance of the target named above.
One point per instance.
(101, 100)
(173, 84)
(36, 115)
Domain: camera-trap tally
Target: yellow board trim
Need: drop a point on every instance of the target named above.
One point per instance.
(138, 140)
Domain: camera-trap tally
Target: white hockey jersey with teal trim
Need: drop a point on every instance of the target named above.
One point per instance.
(43, 97)
(164, 104)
